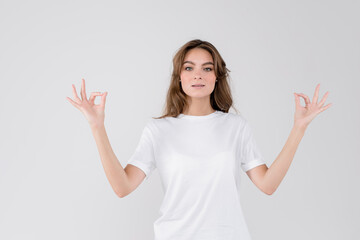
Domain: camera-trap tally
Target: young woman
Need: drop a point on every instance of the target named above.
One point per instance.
(199, 149)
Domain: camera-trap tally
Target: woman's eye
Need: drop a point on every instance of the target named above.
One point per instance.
(207, 69)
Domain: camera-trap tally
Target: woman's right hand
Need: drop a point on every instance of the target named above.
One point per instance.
(95, 114)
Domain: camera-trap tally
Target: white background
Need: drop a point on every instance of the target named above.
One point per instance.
(52, 184)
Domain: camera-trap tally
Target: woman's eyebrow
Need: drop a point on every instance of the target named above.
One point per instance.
(202, 65)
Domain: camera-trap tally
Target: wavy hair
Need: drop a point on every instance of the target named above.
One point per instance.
(220, 98)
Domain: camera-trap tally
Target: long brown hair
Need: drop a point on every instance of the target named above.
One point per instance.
(220, 98)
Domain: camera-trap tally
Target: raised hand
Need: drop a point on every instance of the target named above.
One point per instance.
(304, 115)
(95, 114)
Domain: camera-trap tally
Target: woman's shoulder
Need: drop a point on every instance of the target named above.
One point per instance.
(153, 122)
(235, 117)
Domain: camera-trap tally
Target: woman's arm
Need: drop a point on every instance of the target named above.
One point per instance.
(268, 179)
(115, 173)
(95, 114)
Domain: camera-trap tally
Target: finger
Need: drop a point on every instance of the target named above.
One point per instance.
(302, 96)
(316, 94)
(297, 101)
(321, 103)
(306, 99)
(76, 97)
(83, 92)
(103, 99)
(73, 103)
(326, 107)
(93, 96)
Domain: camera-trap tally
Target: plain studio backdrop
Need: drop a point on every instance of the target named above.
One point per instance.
(52, 183)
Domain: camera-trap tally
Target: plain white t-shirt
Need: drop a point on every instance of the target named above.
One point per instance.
(199, 160)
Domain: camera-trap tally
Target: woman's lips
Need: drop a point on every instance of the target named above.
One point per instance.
(198, 86)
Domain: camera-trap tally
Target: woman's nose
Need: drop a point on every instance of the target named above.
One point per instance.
(197, 74)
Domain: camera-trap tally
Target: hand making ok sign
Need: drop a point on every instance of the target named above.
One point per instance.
(304, 115)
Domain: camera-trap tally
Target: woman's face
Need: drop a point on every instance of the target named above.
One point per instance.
(198, 68)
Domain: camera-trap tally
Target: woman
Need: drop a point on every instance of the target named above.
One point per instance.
(198, 148)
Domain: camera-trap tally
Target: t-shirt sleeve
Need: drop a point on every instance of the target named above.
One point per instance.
(249, 153)
(144, 157)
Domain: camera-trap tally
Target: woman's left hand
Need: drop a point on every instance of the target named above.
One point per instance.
(304, 115)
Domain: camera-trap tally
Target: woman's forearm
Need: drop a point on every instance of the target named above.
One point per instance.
(115, 173)
(276, 172)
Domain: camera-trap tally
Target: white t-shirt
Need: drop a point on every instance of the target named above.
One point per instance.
(199, 160)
